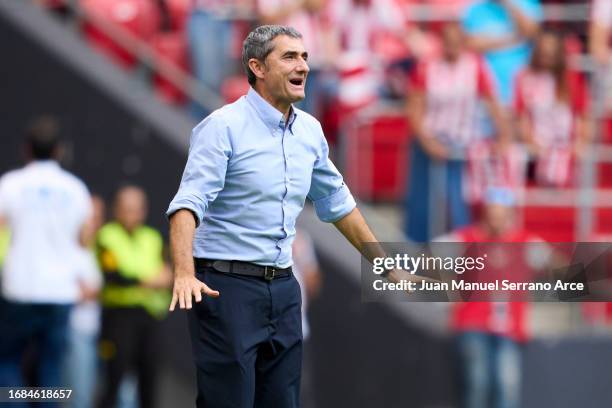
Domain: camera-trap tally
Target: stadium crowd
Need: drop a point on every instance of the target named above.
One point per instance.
(495, 105)
(479, 97)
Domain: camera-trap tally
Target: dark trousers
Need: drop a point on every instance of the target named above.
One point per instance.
(490, 370)
(422, 194)
(42, 326)
(129, 342)
(247, 343)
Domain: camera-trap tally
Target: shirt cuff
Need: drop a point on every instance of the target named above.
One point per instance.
(335, 206)
(192, 203)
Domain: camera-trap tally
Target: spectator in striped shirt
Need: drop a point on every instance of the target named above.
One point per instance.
(552, 107)
(310, 18)
(443, 100)
(600, 45)
(368, 36)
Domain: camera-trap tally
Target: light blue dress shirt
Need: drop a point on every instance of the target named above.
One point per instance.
(247, 178)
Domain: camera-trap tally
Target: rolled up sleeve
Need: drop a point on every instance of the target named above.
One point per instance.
(204, 174)
(331, 197)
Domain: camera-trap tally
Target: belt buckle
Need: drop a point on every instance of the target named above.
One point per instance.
(269, 272)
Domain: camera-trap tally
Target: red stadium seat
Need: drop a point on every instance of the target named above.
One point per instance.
(234, 87)
(172, 47)
(553, 224)
(53, 4)
(603, 218)
(606, 130)
(604, 171)
(376, 161)
(138, 17)
(572, 45)
(179, 12)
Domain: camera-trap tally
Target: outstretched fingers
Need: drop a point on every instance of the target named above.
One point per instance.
(209, 292)
(183, 293)
(173, 301)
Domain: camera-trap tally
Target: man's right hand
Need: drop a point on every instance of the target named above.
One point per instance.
(187, 286)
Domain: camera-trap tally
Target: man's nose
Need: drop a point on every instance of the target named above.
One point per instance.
(303, 66)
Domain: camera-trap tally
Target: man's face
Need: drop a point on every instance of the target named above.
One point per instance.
(286, 70)
(548, 51)
(452, 41)
(498, 218)
(131, 207)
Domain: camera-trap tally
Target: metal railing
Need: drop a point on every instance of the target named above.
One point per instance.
(558, 12)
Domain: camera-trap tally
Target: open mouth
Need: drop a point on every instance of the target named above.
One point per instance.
(297, 81)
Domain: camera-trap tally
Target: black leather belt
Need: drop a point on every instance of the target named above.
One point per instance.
(243, 268)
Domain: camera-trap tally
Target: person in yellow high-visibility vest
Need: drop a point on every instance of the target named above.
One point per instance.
(4, 243)
(5, 238)
(134, 296)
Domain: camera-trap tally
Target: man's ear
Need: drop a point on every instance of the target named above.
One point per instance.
(258, 67)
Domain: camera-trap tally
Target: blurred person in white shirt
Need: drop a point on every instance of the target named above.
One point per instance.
(46, 209)
(306, 271)
(81, 363)
(363, 30)
(359, 23)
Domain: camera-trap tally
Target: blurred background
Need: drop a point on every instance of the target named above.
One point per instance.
(444, 116)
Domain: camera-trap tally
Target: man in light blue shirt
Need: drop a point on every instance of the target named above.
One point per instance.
(247, 176)
(502, 30)
(251, 166)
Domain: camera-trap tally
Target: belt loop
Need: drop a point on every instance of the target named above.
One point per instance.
(269, 273)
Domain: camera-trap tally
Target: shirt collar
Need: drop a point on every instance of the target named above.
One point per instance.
(43, 163)
(271, 116)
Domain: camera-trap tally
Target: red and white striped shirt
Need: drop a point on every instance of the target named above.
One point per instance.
(359, 25)
(452, 92)
(310, 25)
(552, 119)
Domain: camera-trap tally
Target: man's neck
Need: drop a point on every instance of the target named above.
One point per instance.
(283, 108)
(130, 231)
(451, 59)
(41, 161)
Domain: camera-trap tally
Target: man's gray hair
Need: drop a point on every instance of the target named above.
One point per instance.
(258, 45)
